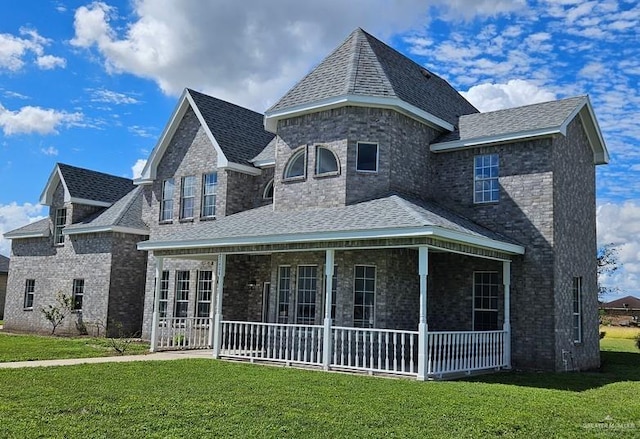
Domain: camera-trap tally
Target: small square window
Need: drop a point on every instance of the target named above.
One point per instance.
(367, 157)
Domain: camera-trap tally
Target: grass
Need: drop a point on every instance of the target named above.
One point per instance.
(18, 347)
(208, 398)
(620, 332)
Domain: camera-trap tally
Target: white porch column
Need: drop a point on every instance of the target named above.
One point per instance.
(212, 314)
(506, 281)
(328, 269)
(155, 319)
(217, 332)
(423, 340)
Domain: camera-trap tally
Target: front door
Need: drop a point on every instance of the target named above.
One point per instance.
(266, 292)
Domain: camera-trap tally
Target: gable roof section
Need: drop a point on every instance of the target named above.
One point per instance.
(37, 229)
(631, 302)
(84, 186)
(236, 133)
(389, 217)
(365, 71)
(530, 121)
(4, 264)
(125, 216)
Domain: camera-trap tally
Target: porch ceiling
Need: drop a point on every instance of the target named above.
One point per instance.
(392, 221)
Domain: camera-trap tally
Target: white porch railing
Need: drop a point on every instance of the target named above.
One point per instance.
(183, 333)
(375, 350)
(465, 351)
(273, 342)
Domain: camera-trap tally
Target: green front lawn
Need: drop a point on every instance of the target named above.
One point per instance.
(208, 398)
(15, 347)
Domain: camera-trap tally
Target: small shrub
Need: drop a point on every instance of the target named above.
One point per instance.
(602, 334)
(55, 314)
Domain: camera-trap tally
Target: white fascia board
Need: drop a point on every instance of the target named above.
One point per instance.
(592, 128)
(24, 235)
(479, 141)
(88, 202)
(336, 236)
(149, 170)
(99, 229)
(245, 169)
(271, 118)
(47, 194)
(264, 163)
(142, 181)
(222, 159)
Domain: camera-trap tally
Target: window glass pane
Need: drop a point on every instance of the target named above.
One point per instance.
(325, 161)
(367, 157)
(364, 296)
(284, 289)
(486, 287)
(296, 166)
(188, 196)
(209, 189)
(307, 282)
(268, 191)
(166, 204)
(182, 294)
(486, 174)
(78, 293)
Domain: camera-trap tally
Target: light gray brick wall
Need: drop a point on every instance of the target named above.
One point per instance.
(3, 292)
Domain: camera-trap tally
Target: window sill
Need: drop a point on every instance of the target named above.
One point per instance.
(480, 203)
(294, 179)
(361, 171)
(327, 174)
(76, 311)
(207, 218)
(165, 222)
(27, 309)
(186, 220)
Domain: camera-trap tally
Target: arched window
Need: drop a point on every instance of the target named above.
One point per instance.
(297, 166)
(326, 161)
(268, 191)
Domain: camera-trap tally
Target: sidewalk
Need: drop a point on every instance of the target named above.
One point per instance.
(156, 356)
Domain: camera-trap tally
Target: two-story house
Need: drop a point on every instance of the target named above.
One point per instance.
(86, 250)
(373, 219)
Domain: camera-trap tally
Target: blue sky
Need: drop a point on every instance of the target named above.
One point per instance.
(93, 84)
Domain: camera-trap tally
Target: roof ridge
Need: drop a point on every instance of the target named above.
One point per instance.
(93, 171)
(407, 206)
(553, 101)
(127, 204)
(190, 91)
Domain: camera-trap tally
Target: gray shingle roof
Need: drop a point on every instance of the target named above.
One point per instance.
(40, 228)
(514, 120)
(4, 264)
(239, 131)
(125, 213)
(392, 212)
(93, 185)
(364, 65)
(268, 154)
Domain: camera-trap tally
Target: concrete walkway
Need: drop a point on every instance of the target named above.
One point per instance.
(156, 356)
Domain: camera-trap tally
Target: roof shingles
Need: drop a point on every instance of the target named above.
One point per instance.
(95, 186)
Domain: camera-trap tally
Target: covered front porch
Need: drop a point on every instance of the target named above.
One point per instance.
(331, 345)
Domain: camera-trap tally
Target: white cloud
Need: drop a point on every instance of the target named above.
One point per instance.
(619, 224)
(137, 168)
(30, 119)
(141, 131)
(237, 53)
(112, 97)
(14, 50)
(517, 92)
(50, 151)
(49, 62)
(13, 216)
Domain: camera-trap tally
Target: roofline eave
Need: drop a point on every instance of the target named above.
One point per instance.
(433, 231)
(272, 117)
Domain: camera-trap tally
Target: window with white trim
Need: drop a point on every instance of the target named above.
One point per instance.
(182, 294)
(284, 290)
(188, 197)
(364, 287)
(166, 203)
(78, 294)
(307, 284)
(367, 157)
(60, 222)
(577, 309)
(485, 179)
(267, 194)
(209, 189)
(163, 302)
(326, 161)
(486, 287)
(297, 165)
(29, 293)
(205, 292)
